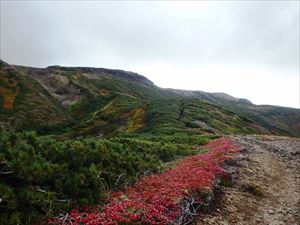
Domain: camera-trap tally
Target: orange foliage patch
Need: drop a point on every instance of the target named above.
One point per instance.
(9, 92)
(8, 103)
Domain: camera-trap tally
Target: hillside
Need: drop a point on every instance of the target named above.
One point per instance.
(82, 101)
(276, 119)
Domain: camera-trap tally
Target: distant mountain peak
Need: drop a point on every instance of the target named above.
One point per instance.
(231, 98)
(116, 72)
(225, 96)
(3, 63)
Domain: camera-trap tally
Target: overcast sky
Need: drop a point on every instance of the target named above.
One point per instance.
(246, 49)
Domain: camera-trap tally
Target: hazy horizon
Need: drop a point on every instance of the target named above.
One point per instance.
(245, 49)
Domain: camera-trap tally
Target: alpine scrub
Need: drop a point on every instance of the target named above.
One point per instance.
(40, 176)
(158, 199)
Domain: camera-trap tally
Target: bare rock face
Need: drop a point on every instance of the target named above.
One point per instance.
(59, 86)
(102, 71)
(205, 126)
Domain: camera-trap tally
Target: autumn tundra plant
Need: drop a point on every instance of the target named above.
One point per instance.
(161, 198)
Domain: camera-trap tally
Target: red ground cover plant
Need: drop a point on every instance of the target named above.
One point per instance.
(157, 199)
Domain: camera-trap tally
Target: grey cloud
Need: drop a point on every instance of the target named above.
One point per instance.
(125, 34)
(42, 32)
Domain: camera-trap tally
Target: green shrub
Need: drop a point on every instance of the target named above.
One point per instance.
(40, 176)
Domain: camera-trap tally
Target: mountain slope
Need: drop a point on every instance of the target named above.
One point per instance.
(281, 120)
(25, 104)
(80, 101)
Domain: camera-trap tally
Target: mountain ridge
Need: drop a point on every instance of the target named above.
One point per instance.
(99, 101)
(147, 80)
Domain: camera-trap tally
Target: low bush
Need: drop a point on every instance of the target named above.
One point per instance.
(41, 176)
(159, 199)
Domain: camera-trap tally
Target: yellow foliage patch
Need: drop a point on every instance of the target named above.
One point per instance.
(103, 92)
(77, 76)
(110, 108)
(137, 120)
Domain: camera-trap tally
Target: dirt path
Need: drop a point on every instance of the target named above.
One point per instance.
(266, 187)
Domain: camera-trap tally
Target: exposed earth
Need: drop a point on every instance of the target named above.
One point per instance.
(266, 184)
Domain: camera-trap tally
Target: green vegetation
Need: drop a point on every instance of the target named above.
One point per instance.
(74, 101)
(80, 102)
(73, 135)
(40, 176)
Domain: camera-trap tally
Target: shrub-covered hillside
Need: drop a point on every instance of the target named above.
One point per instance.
(83, 101)
(40, 176)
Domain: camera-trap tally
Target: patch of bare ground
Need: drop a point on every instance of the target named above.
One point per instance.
(266, 184)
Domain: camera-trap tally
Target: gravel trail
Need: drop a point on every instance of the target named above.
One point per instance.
(266, 184)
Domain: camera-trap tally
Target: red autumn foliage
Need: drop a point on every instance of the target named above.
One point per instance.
(156, 199)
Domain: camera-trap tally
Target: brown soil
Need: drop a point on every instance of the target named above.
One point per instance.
(266, 188)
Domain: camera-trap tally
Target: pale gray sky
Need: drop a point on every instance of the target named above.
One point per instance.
(247, 49)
